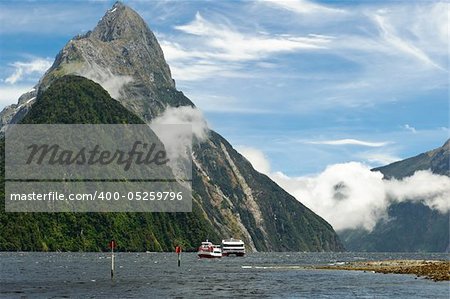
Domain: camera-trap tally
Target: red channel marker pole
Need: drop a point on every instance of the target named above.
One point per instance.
(178, 251)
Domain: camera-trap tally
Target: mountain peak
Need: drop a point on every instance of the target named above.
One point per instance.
(123, 55)
(120, 22)
(118, 4)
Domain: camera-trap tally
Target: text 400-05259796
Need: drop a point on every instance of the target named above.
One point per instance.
(144, 195)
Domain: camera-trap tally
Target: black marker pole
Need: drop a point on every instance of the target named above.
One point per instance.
(112, 244)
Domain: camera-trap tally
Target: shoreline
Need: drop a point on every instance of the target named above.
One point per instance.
(437, 270)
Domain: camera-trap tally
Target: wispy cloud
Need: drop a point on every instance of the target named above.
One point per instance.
(257, 158)
(350, 142)
(383, 47)
(22, 69)
(221, 49)
(403, 46)
(410, 128)
(379, 159)
(232, 45)
(303, 7)
(225, 104)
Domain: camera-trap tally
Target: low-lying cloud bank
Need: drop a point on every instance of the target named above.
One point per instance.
(178, 139)
(350, 195)
(113, 84)
(186, 115)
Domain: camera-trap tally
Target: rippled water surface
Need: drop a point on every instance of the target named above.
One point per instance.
(156, 275)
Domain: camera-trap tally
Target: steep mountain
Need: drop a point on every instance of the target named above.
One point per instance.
(411, 226)
(73, 100)
(123, 56)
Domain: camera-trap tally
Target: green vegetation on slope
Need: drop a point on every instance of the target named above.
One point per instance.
(76, 100)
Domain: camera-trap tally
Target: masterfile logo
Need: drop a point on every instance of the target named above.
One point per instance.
(54, 154)
(115, 168)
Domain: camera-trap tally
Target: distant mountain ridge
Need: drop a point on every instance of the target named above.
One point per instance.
(234, 199)
(412, 226)
(436, 160)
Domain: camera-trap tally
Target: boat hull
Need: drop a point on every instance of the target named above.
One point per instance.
(209, 250)
(233, 247)
(233, 253)
(208, 255)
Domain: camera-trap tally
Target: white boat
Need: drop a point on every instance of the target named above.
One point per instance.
(209, 250)
(233, 247)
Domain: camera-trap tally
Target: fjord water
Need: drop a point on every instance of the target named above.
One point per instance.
(156, 275)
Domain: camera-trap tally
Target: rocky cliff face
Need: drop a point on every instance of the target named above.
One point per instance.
(123, 55)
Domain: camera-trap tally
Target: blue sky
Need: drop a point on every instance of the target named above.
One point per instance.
(304, 84)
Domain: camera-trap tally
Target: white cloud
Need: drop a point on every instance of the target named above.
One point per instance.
(350, 195)
(219, 49)
(303, 7)
(232, 45)
(396, 47)
(256, 158)
(410, 128)
(350, 142)
(178, 128)
(184, 115)
(403, 46)
(423, 186)
(113, 84)
(192, 70)
(347, 195)
(9, 94)
(22, 69)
